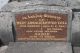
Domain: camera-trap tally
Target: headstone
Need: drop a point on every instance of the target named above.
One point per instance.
(40, 23)
(44, 23)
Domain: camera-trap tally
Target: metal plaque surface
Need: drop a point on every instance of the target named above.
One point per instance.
(41, 26)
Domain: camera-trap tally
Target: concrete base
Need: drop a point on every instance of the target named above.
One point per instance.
(39, 47)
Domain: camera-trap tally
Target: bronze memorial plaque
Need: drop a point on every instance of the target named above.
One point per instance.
(41, 27)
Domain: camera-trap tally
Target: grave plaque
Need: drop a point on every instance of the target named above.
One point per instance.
(41, 26)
